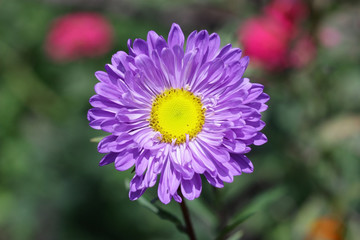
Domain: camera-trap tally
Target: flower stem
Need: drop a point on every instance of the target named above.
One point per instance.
(185, 212)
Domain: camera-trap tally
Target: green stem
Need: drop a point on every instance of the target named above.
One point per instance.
(186, 215)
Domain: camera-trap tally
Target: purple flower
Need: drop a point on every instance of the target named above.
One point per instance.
(178, 114)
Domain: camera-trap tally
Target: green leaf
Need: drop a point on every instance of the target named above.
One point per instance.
(236, 236)
(228, 229)
(259, 203)
(202, 212)
(172, 218)
(159, 211)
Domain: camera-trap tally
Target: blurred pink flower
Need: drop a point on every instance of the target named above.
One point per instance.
(268, 39)
(78, 35)
(292, 11)
(265, 41)
(303, 51)
(330, 37)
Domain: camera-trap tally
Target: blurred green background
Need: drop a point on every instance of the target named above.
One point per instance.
(52, 188)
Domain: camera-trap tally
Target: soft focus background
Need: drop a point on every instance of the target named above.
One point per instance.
(306, 183)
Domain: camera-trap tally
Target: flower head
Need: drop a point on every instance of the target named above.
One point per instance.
(178, 113)
(78, 35)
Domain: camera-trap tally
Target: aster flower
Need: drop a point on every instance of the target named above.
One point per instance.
(178, 113)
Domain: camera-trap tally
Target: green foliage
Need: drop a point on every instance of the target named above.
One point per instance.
(143, 201)
(259, 203)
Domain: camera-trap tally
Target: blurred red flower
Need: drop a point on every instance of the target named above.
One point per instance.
(292, 11)
(275, 40)
(265, 41)
(78, 35)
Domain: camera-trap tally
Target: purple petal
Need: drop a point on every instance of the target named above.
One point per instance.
(152, 37)
(106, 91)
(254, 92)
(169, 61)
(214, 44)
(150, 175)
(173, 179)
(224, 50)
(176, 36)
(136, 188)
(160, 44)
(142, 163)
(163, 189)
(232, 55)
(97, 116)
(200, 157)
(154, 77)
(191, 189)
(109, 125)
(181, 159)
(131, 52)
(245, 164)
(129, 115)
(215, 181)
(98, 101)
(260, 139)
(177, 198)
(202, 39)
(96, 113)
(190, 43)
(233, 167)
(108, 158)
(102, 77)
(224, 173)
(134, 195)
(140, 47)
(114, 74)
(119, 60)
(104, 143)
(126, 160)
(179, 55)
(235, 146)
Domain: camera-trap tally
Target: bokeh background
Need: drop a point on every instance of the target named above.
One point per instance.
(306, 183)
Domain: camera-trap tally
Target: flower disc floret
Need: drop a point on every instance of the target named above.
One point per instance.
(176, 113)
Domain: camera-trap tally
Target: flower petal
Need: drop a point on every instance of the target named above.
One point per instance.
(126, 159)
(245, 164)
(191, 189)
(176, 36)
(108, 158)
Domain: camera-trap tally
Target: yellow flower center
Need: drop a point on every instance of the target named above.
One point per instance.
(175, 113)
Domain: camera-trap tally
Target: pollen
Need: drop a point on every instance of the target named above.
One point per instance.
(176, 113)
